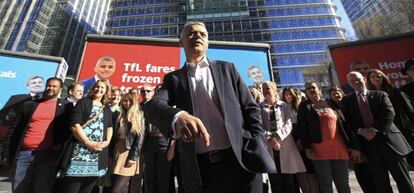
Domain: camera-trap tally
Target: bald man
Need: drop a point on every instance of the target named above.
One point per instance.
(371, 115)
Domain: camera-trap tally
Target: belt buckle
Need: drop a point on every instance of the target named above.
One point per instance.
(214, 156)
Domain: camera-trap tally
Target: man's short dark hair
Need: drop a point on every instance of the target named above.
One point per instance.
(356, 62)
(191, 23)
(55, 78)
(73, 85)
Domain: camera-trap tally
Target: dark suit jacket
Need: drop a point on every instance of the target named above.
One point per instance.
(383, 114)
(240, 111)
(16, 101)
(88, 84)
(407, 92)
(60, 123)
(11, 112)
(408, 89)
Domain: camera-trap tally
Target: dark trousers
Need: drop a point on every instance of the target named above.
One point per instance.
(227, 176)
(364, 177)
(34, 172)
(79, 184)
(381, 160)
(158, 171)
(332, 170)
(282, 183)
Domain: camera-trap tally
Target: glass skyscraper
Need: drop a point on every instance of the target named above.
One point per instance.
(298, 31)
(51, 27)
(389, 16)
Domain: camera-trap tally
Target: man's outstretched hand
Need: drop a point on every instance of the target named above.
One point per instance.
(189, 127)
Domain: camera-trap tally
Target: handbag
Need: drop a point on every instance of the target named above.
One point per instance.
(69, 145)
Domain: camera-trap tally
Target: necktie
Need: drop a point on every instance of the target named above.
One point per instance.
(365, 111)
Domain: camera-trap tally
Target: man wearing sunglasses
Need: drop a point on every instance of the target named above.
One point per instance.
(158, 170)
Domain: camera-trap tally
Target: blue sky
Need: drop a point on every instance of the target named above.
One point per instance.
(346, 23)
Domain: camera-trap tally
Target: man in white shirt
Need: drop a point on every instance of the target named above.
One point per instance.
(208, 107)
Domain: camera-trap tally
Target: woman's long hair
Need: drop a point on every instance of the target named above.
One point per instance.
(386, 83)
(295, 98)
(106, 98)
(133, 114)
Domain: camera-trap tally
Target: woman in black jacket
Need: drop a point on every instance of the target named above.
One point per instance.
(92, 127)
(128, 140)
(326, 140)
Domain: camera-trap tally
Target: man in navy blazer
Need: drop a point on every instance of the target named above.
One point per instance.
(13, 108)
(104, 69)
(208, 108)
(380, 140)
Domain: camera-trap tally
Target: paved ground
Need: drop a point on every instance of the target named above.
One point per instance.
(5, 186)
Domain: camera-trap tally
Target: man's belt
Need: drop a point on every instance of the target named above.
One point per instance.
(216, 156)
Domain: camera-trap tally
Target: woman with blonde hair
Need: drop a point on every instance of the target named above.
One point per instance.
(257, 95)
(128, 140)
(92, 127)
(276, 118)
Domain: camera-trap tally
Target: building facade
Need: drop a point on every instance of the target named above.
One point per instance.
(298, 31)
(374, 18)
(51, 27)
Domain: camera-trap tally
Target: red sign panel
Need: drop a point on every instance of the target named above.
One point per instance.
(136, 64)
(388, 56)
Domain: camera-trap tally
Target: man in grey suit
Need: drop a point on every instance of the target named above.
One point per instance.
(214, 118)
(370, 115)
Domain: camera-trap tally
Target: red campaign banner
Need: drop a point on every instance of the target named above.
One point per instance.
(388, 56)
(136, 64)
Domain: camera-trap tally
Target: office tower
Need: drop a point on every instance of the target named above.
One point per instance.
(298, 31)
(51, 27)
(375, 18)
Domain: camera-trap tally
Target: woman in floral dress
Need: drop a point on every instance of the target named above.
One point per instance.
(92, 127)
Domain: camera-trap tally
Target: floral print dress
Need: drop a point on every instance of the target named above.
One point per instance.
(84, 161)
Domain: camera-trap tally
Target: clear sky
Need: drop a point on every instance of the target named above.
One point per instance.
(346, 23)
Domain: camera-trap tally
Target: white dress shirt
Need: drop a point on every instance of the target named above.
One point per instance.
(206, 107)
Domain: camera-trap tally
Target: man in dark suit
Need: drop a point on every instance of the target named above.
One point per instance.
(158, 174)
(408, 88)
(104, 69)
(40, 133)
(370, 115)
(214, 114)
(11, 111)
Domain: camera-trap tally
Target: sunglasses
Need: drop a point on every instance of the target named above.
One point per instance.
(146, 91)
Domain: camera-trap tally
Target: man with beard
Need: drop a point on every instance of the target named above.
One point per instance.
(40, 132)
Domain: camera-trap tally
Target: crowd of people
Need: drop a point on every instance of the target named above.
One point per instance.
(204, 126)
